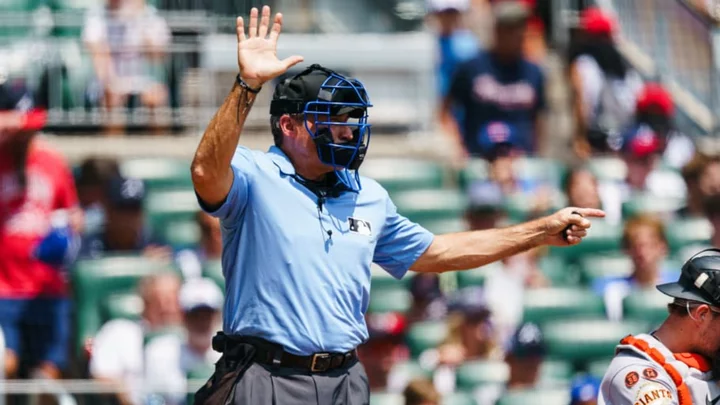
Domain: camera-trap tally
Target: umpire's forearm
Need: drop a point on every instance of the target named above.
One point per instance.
(211, 172)
(469, 250)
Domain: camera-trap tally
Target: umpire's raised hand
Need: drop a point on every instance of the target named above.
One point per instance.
(257, 52)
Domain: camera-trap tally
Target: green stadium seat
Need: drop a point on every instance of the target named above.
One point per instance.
(593, 267)
(650, 204)
(557, 272)
(603, 237)
(159, 173)
(546, 170)
(597, 368)
(426, 335)
(181, 234)
(431, 205)
(587, 340)
(197, 378)
(381, 280)
(94, 280)
(474, 170)
(476, 277)
(404, 174)
(548, 304)
(558, 396)
(389, 300)
(411, 369)
(472, 374)
(439, 227)
(646, 305)
(685, 232)
(608, 168)
(166, 207)
(555, 372)
(123, 306)
(213, 271)
(458, 398)
(521, 207)
(386, 398)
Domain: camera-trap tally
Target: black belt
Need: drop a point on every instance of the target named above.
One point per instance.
(274, 355)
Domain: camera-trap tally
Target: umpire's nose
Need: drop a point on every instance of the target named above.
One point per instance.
(342, 133)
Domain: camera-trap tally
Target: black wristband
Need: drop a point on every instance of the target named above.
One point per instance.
(247, 87)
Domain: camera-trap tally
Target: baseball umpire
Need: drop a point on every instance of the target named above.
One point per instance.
(677, 363)
(301, 229)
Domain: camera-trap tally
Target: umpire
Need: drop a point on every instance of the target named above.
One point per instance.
(301, 229)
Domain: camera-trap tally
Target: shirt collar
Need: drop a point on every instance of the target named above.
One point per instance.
(281, 161)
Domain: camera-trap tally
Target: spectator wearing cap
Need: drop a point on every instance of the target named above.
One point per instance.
(117, 350)
(384, 348)
(124, 230)
(584, 390)
(421, 392)
(428, 300)
(691, 173)
(499, 84)
(656, 110)
(604, 86)
(92, 177)
(170, 357)
(38, 204)
(535, 47)
(644, 241)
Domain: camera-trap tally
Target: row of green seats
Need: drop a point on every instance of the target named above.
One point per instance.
(520, 397)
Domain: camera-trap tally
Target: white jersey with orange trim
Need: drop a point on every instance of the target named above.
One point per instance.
(645, 372)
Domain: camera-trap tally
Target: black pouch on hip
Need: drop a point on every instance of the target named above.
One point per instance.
(229, 369)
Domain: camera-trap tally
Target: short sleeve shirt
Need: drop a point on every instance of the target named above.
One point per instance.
(298, 272)
(487, 90)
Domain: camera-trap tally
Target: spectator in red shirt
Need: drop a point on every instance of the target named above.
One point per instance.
(37, 192)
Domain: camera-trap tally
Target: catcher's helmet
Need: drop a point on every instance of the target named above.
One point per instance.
(699, 279)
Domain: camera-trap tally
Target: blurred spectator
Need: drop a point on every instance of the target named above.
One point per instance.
(117, 350)
(499, 85)
(384, 348)
(127, 41)
(712, 211)
(456, 43)
(691, 173)
(656, 110)
(169, 358)
(191, 261)
(421, 392)
(92, 178)
(583, 189)
(428, 301)
(584, 390)
(604, 86)
(124, 229)
(535, 45)
(525, 355)
(645, 242)
(39, 223)
(708, 193)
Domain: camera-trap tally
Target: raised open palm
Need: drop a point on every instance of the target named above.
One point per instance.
(257, 53)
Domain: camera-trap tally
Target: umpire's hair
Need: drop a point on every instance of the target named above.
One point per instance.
(277, 132)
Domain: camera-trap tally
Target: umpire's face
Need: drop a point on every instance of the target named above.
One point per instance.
(298, 140)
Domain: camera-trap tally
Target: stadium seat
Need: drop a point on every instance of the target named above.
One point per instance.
(521, 207)
(476, 277)
(122, 306)
(411, 369)
(404, 174)
(472, 374)
(196, 378)
(458, 398)
(386, 398)
(593, 267)
(549, 304)
(555, 372)
(684, 232)
(557, 272)
(94, 280)
(608, 168)
(650, 204)
(597, 368)
(426, 335)
(169, 206)
(389, 300)
(431, 205)
(587, 340)
(17, 18)
(541, 169)
(180, 234)
(646, 305)
(558, 396)
(381, 280)
(158, 173)
(474, 170)
(603, 237)
(439, 227)
(213, 271)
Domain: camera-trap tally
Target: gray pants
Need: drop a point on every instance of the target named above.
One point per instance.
(264, 385)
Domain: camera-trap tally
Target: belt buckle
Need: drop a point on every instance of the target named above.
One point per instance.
(320, 362)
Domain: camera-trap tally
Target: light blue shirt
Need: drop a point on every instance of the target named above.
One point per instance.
(287, 279)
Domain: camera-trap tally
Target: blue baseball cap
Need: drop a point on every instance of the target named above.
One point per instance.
(527, 341)
(16, 97)
(584, 388)
(128, 193)
(498, 138)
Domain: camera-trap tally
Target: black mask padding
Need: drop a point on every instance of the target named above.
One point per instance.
(340, 156)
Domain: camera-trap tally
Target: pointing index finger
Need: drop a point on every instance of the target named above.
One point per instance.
(589, 212)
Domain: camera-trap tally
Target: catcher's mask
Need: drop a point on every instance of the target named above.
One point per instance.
(322, 95)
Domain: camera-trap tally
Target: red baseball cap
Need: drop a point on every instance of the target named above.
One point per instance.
(655, 97)
(15, 97)
(596, 22)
